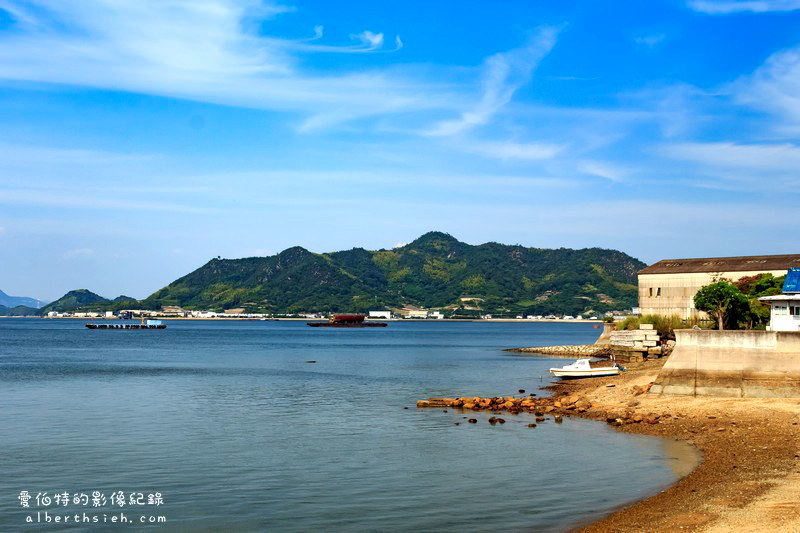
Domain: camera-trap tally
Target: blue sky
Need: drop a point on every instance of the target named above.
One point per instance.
(139, 139)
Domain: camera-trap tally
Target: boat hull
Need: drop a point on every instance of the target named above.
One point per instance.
(335, 325)
(125, 326)
(594, 373)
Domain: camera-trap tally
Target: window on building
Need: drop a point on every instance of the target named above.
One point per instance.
(658, 291)
(794, 310)
(781, 310)
(651, 292)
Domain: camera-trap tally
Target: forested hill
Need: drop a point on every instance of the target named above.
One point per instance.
(436, 270)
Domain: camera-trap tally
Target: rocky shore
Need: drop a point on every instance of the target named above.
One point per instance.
(749, 479)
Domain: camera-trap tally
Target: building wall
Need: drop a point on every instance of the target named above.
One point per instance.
(673, 294)
(785, 316)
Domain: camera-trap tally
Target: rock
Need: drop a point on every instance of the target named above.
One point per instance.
(539, 412)
(473, 420)
(501, 420)
(405, 407)
(549, 409)
(540, 419)
(493, 420)
(651, 420)
(611, 385)
(618, 422)
(633, 403)
(534, 425)
(457, 423)
(558, 419)
(508, 405)
(444, 410)
(522, 391)
(637, 418)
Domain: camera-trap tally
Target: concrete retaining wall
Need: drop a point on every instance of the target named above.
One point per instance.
(754, 364)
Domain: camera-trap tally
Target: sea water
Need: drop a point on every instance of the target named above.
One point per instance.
(275, 426)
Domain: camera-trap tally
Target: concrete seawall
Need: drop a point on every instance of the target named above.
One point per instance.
(746, 364)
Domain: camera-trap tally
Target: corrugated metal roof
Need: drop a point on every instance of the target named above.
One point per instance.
(792, 283)
(756, 263)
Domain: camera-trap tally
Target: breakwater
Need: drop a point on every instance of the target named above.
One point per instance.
(567, 351)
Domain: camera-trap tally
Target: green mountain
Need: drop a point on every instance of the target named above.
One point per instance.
(19, 310)
(436, 270)
(79, 299)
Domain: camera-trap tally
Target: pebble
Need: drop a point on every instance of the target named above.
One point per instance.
(611, 385)
(473, 420)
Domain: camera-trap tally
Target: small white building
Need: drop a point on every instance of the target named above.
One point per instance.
(785, 312)
(382, 315)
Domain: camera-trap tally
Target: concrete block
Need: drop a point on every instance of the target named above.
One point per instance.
(645, 326)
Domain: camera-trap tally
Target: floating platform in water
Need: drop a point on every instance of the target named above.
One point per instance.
(347, 321)
(150, 324)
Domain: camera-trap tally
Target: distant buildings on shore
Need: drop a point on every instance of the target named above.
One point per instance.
(239, 313)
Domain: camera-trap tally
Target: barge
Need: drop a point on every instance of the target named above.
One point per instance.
(145, 324)
(347, 321)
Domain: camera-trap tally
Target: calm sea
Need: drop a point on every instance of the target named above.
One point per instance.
(238, 431)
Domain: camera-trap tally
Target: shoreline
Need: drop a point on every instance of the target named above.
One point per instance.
(749, 475)
(282, 319)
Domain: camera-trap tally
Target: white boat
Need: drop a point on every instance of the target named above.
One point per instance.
(582, 369)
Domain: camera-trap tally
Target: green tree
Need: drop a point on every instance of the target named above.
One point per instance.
(723, 301)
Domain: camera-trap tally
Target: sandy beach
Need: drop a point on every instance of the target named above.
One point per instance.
(749, 479)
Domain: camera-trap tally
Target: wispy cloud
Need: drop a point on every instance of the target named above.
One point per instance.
(508, 150)
(504, 74)
(76, 253)
(736, 166)
(650, 40)
(206, 50)
(726, 7)
(603, 169)
(66, 199)
(367, 41)
(774, 87)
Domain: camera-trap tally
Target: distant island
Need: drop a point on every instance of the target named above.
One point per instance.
(436, 271)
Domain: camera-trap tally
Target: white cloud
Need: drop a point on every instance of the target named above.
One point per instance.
(66, 199)
(774, 87)
(764, 157)
(205, 50)
(513, 150)
(725, 7)
(76, 253)
(650, 40)
(736, 166)
(604, 170)
(504, 74)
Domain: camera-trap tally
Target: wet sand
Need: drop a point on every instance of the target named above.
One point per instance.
(749, 479)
